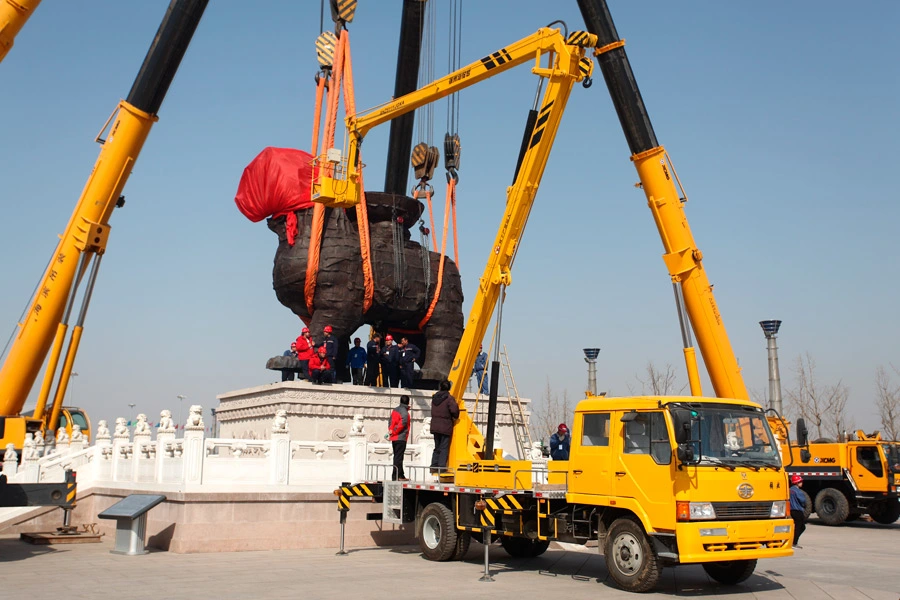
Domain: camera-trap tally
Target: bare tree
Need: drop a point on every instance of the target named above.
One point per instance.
(657, 382)
(888, 402)
(823, 406)
(554, 409)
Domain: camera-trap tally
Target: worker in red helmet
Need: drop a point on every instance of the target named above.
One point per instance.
(390, 363)
(560, 442)
(305, 350)
(320, 370)
(329, 342)
(798, 507)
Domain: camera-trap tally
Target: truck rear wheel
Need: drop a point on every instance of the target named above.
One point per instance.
(832, 506)
(886, 511)
(437, 532)
(523, 547)
(807, 507)
(629, 557)
(730, 572)
(462, 546)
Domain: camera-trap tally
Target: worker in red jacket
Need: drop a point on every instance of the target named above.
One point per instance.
(398, 433)
(319, 367)
(305, 351)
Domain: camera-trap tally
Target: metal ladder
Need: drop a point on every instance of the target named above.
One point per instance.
(520, 426)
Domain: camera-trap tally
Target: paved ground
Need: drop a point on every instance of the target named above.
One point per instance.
(860, 561)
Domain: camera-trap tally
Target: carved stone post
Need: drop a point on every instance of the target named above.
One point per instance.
(120, 441)
(357, 454)
(10, 460)
(193, 447)
(77, 442)
(164, 436)
(30, 459)
(280, 451)
(62, 441)
(139, 448)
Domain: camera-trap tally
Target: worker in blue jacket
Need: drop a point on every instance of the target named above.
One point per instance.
(409, 354)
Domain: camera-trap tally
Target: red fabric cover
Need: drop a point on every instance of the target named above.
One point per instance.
(275, 183)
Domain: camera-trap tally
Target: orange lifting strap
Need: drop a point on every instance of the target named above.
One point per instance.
(342, 69)
(449, 207)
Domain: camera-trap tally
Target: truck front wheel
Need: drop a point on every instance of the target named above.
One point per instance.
(437, 532)
(629, 557)
(832, 506)
(730, 572)
(886, 511)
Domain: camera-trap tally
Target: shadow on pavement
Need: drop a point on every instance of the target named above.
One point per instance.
(858, 524)
(14, 549)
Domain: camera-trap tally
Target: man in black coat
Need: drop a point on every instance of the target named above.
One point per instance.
(373, 360)
(409, 354)
(444, 410)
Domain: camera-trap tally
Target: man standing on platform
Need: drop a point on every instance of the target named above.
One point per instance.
(480, 372)
(444, 410)
(398, 433)
(356, 359)
(305, 351)
(373, 360)
(409, 353)
(390, 362)
(331, 351)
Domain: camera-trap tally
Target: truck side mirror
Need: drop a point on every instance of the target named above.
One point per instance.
(685, 453)
(802, 434)
(805, 455)
(681, 420)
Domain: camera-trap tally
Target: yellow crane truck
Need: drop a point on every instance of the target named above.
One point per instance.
(657, 481)
(13, 16)
(846, 480)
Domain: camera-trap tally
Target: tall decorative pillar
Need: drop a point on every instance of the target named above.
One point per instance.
(165, 435)
(193, 446)
(280, 450)
(357, 451)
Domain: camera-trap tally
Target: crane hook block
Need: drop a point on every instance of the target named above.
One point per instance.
(342, 11)
(325, 47)
(424, 160)
(452, 150)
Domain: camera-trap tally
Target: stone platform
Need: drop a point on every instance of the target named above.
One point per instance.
(326, 412)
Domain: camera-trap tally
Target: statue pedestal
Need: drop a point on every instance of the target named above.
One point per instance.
(325, 412)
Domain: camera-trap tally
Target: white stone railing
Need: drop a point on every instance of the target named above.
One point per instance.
(195, 462)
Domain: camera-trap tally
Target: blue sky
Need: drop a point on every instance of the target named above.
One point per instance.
(780, 118)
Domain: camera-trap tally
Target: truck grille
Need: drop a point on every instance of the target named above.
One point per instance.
(733, 511)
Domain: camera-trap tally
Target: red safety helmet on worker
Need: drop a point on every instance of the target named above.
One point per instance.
(795, 479)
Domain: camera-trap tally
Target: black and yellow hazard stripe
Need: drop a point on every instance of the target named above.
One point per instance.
(360, 490)
(500, 57)
(540, 125)
(325, 49)
(487, 519)
(586, 66)
(343, 10)
(504, 504)
(582, 39)
(71, 491)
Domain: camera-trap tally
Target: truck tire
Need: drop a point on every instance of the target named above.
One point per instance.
(437, 532)
(730, 572)
(886, 511)
(462, 546)
(518, 547)
(832, 506)
(807, 508)
(630, 559)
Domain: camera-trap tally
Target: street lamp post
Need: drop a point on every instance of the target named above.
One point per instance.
(770, 329)
(71, 393)
(590, 357)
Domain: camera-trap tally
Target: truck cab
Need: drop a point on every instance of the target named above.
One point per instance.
(68, 416)
(702, 477)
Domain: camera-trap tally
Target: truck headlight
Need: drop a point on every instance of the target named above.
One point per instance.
(694, 511)
(778, 509)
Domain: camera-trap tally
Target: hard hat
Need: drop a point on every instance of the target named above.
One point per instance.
(563, 427)
(328, 329)
(305, 330)
(795, 479)
(322, 348)
(389, 338)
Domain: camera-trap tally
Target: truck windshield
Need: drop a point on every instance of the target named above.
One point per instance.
(733, 436)
(892, 454)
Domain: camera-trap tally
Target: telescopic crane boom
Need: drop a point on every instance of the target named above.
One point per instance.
(44, 327)
(567, 65)
(13, 15)
(658, 180)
